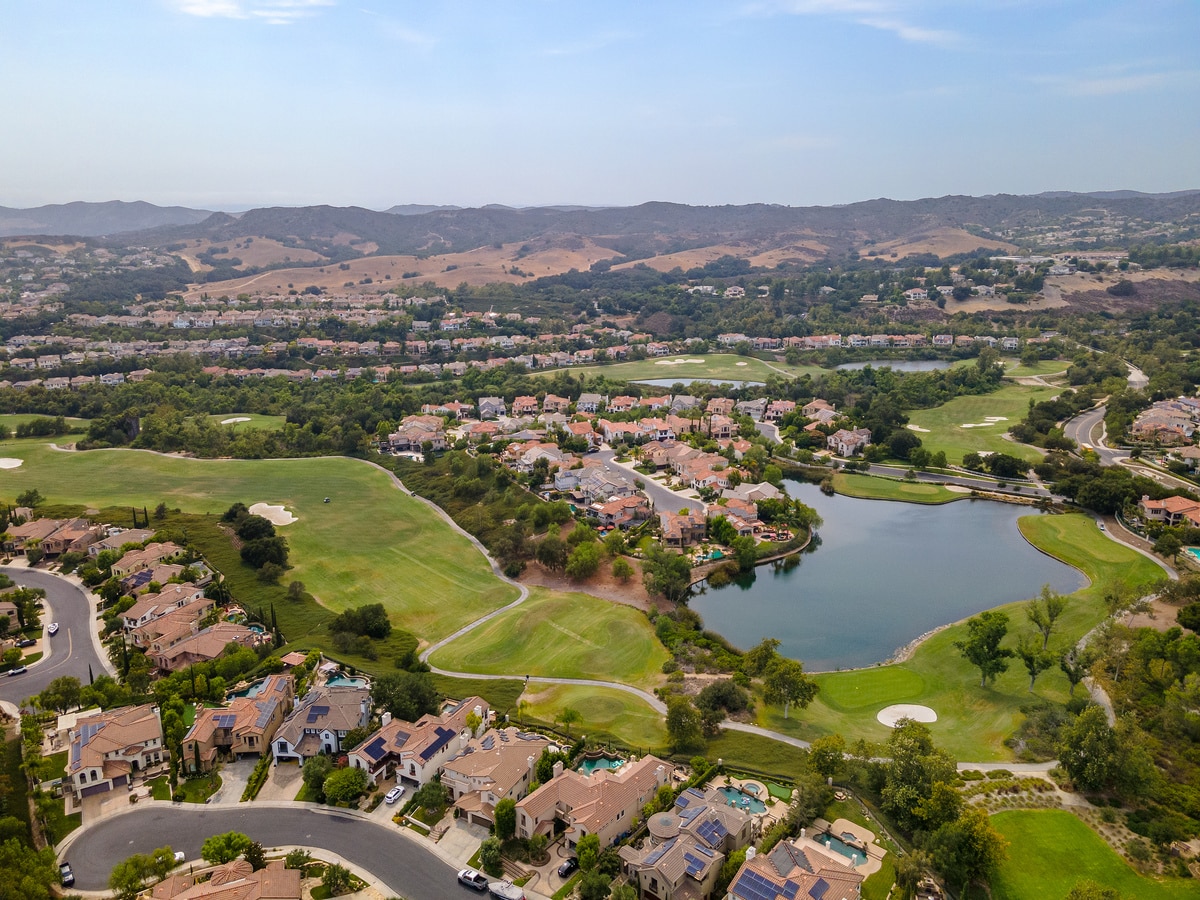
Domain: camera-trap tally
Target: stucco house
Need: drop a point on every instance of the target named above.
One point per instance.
(104, 750)
(415, 751)
(245, 727)
(320, 722)
(490, 768)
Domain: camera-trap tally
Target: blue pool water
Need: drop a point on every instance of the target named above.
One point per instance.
(253, 691)
(742, 800)
(1195, 551)
(588, 766)
(838, 845)
(346, 681)
(257, 629)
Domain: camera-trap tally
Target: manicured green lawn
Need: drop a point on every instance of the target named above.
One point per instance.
(59, 767)
(973, 721)
(755, 753)
(501, 695)
(1017, 369)
(266, 423)
(160, 788)
(607, 714)
(12, 420)
(873, 488)
(198, 790)
(564, 635)
(371, 543)
(945, 423)
(1049, 850)
(716, 367)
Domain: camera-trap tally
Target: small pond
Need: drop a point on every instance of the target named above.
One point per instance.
(883, 574)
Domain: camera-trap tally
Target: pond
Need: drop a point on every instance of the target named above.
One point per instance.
(883, 574)
(671, 382)
(900, 365)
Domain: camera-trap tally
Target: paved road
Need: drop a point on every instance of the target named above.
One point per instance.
(72, 650)
(407, 868)
(1027, 488)
(664, 500)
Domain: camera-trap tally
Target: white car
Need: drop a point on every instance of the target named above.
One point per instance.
(393, 795)
(52, 628)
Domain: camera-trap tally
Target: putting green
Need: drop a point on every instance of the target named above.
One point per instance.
(371, 543)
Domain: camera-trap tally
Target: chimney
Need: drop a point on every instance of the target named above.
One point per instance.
(463, 738)
(478, 710)
(386, 718)
(558, 768)
(531, 764)
(362, 707)
(751, 853)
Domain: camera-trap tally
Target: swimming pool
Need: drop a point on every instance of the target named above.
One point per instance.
(591, 764)
(346, 681)
(1195, 551)
(739, 798)
(252, 691)
(856, 855)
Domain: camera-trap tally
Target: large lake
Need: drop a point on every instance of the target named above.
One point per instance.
(883, 574)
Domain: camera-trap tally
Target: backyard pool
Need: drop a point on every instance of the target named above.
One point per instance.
(252, 691)
(603, 761)
(1195, 551)
(739, 798)
(857, 855)
(347, 681)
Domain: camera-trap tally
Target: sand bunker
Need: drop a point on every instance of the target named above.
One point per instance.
(890, 715)
(741, 364)
(9, 463)
(987, 420)
(995, 418)
(676, 362)
(235, 420)
(276, 515)
(957, 488)
(912, 427)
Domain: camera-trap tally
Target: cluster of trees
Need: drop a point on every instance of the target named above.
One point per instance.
(354, 629)
(262, 548)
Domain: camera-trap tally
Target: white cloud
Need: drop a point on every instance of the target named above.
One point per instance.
(271, 12)
(883, 15)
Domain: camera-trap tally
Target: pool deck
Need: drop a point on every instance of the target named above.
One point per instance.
(866, 837)
(776, 809)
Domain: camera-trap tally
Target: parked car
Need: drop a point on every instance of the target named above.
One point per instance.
(179, 856)
(569, 865)
(26, 642)
(477, 881)
(19, 670)
(394, 794)
(52, 628)
(65, 875)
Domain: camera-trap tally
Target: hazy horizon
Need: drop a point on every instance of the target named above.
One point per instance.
(233, 104)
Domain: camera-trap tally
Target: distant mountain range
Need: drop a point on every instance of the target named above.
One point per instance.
(636, 232)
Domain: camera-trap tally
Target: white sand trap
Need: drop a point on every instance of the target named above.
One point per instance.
(995, 418)
(9, 463)
(741, 364)
(276, 515)
(976, 424)
(890, 715)
(912, 427)
(235, 420)
(957, 488)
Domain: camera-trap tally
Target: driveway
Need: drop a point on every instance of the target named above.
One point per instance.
(282, 784)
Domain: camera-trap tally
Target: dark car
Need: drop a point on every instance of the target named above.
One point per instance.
(26, 642)
(66, 876)
(568, 866)
(472, 879)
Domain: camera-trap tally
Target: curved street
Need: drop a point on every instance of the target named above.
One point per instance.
(70, 652)
(404, 865)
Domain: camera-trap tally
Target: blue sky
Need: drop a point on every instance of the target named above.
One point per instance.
(234, 103)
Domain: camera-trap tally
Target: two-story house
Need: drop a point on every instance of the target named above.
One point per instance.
(245, 727)
(104, 750)
(498, 765)
(415, 751)
(320, 722)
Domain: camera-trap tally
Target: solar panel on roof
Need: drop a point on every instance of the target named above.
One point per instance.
(444, 736)
(753, 886)
(817, 891)
(705, 851)
(657, 853)
(790, 889)
(695, 864)
(488, 742)
(225, 720)
(375, 748)
(316, 712)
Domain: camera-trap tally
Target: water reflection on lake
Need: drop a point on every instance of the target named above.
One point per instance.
(884, 574)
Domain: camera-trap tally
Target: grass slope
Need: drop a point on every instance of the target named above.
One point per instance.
(1049, 850)
(973, 721)
(372, 543)
(945, 422)
(562, 635)
(257, 420)
(874, 488)
(608, 715)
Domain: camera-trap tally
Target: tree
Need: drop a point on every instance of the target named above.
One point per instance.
(32, 498)
(432, 795)
(1036, 659)
(1076, 664)
(551, 552)
(684, 726)
(982, 646)
(910, 869)
(583, 561)
(1168, 544)
(968, 849)
(489, 856)
(160, 512)
(786, 683)
(505, 818)
(666, 573)
(812, 796)
(915, 766)
(1189, 617)
(406, 695)
(256, 856)
(758, 658)
(588, 850)
(336, 880)
(162, 861)
(629, 892)
(128, 877)
(568, 717)
(623, 571)
(297, 859)
(314, 772)
(28, 873)
(1089, 751)
(827, 755)
(61, 694)
(344, 785)
(594, 885)
(1044, 611)
(295, 591)
(745, 553)
(223, 848)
